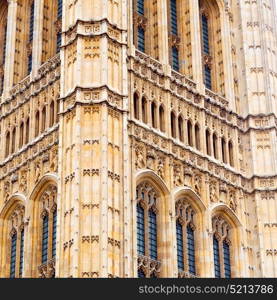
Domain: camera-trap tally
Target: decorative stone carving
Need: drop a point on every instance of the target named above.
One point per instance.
(177, 178)
(213, 191)
(160, 167)
(140, 162)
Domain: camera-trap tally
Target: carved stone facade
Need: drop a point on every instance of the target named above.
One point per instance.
(86, 119)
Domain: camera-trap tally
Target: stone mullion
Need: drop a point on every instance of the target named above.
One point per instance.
(163, 47)
(18, 235)
(50, 235)
(182, 7)
(227, 59)
(157, 116)
(196, 44)
(10, 47)
(221, 258)
(37, 37)
(146, 230)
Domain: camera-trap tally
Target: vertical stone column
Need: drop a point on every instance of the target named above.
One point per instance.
(10, 47)
(37, 39)
(93, 152)
(227, 59)
(196, 45)
(163, 32)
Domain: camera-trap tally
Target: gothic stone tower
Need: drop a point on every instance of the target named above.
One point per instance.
(138, 138)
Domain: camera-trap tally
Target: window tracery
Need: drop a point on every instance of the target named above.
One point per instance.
(147, 243)
(16, 241)
(48, 231)
(221, 247)
(185, 238)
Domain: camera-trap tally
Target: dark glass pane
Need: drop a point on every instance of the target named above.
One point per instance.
(30, 58)
(153, 235)
(45, 234)
(173, 17)
(141, 39)
(59, 41)
(180, 246)
(54, 236)
(60, 9)
(205, 35)
(31, 25)
(227, 263)
(21, 252)
(208, 78)
(140, 7)
(191, 250)
(140, 230)
(175, 59)
(141, 274)
(13, 256)
(216, 258)
(4, 44)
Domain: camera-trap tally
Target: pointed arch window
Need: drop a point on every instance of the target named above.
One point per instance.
(197, 136)
(48, 232)
(144, 110)
(185, 240)
(147, 231)
(223, 150)
(13, 140)
(161, 118)
(231, 153)
(52, 113)
(21, 134)
(173, 124)
(27, 129)
(136, 106)
(221, 248)
(16, 242)
(208, 142)
(8, 140)
(215, 145)
(181, 128)
(153, 114)
(189, 133)
(43, 119)
(37, 117)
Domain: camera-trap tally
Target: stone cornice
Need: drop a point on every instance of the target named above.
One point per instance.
(26, 148)
(247, 184)
(200, 101)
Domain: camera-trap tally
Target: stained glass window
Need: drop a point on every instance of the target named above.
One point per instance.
(21, 257)
(173, 17)
(191, 250)
(141, 39)
(140, 230)
(153, 235)
(180, 246)
(216, 258)
(227, 263)
(13, 256)
(45, 233)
